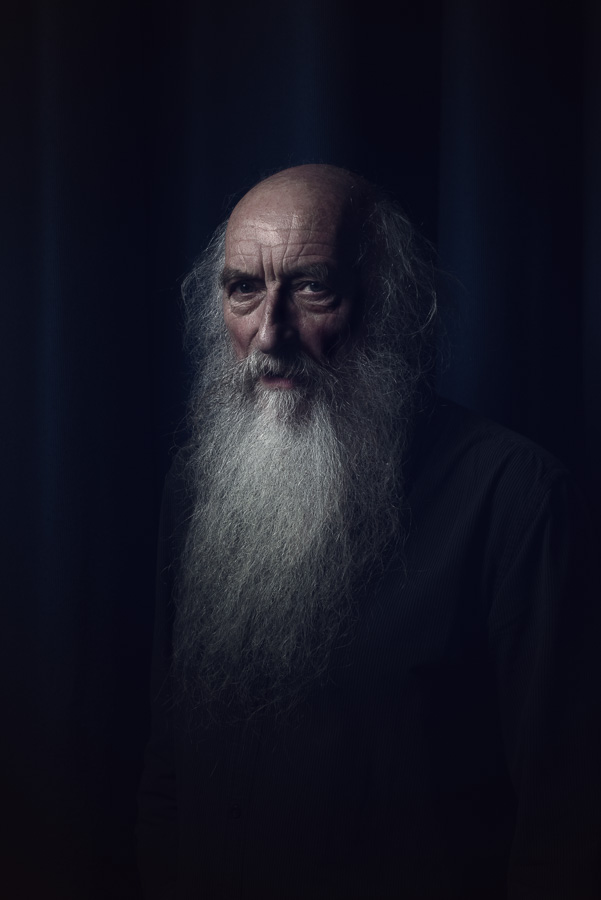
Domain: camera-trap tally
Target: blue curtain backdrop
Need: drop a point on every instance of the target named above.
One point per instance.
(126, 129)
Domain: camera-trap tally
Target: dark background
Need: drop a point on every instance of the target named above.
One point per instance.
(126, 128)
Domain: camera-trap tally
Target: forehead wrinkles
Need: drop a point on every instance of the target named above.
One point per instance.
(296, 233)
(266, 227)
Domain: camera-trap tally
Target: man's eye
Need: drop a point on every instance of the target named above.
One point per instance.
(313, 287)
(242, 287)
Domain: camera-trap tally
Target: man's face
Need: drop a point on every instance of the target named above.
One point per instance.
(288, 281)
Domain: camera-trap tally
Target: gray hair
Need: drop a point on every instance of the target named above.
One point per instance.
(398, 276)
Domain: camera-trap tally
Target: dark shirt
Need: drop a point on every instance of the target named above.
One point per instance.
(453, 752)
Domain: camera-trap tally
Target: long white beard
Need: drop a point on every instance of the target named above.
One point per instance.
(297, 499)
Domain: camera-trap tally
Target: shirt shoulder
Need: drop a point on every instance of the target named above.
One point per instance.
(471, 457)
(480, 496)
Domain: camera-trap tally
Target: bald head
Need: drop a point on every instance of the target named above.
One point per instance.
(323, 183)
(321, 192)
(289, 279)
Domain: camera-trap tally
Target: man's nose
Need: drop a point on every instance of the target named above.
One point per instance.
(276, 328)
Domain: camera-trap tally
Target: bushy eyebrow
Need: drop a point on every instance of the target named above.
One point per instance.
(313, 271)
(230, 274)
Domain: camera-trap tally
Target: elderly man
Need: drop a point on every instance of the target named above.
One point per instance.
(375, 669)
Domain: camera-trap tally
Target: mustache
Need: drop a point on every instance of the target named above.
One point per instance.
(297, 366)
